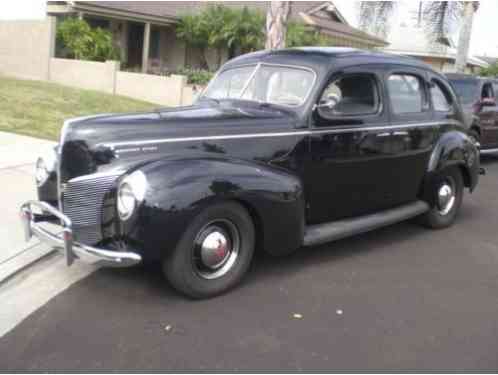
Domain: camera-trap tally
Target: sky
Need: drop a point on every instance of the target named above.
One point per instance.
(484, 33)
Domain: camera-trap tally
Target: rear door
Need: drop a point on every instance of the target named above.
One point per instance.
(413, 130)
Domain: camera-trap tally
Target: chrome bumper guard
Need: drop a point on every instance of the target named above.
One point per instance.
(64, 241)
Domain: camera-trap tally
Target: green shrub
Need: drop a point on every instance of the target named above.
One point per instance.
(299, 35)
(196, 76)
(85, 43)
(491, 71)
(218, 26)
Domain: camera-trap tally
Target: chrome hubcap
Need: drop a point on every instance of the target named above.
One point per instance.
(446, 198)
(216, 249)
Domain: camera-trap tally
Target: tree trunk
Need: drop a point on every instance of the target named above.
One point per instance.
(276, 24)
(464, 38)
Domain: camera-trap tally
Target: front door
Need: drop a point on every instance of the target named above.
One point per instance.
(350, 166)
(135, 44)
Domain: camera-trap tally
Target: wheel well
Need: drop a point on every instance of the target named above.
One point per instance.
(476, 128)
(257, 221)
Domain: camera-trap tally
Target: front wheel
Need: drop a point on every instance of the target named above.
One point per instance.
(214, 253)
(447, 190)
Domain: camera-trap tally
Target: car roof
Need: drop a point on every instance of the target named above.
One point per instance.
(466, 77)
(323, 57)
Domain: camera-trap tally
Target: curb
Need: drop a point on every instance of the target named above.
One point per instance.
(23, 260)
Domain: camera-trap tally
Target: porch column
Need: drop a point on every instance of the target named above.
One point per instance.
(145, 50)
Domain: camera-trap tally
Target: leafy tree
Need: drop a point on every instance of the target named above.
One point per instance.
(299, 35)
(218, 27)
(192, 30)
(491, 71)
(244, 31)
(86, 43)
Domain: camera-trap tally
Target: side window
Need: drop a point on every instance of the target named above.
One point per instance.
(350, 95)
(406, 93)
(487, 91)
(441, 99)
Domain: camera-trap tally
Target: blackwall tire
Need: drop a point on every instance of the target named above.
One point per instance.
(214, 253)
(447, 189)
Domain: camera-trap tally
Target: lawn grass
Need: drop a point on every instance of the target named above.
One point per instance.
(39, 109)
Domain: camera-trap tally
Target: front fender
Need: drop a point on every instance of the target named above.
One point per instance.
(179, 189)
(455, 149)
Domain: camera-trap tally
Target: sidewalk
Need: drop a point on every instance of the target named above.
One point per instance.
(18, 155)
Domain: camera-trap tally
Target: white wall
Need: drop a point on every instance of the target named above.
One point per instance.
(162, 90)
(84, 74)
(26, 48)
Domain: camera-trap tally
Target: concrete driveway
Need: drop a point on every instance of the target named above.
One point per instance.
(403, 298)
(18, 155)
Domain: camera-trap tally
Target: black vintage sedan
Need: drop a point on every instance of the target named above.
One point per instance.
(283, 150)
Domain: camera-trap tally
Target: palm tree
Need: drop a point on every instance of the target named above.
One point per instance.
(465, 33)
(277, 16)
(439, 17)
(374, 16)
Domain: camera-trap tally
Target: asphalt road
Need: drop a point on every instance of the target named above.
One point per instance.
(400, 298)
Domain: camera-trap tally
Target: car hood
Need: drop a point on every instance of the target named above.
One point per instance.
(106, 141)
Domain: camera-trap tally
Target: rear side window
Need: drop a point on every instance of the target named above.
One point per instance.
(351, 95)
(441, 99)
(487, 91)
(406, 93)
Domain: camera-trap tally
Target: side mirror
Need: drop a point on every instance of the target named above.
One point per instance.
(488, 102)
(329, 103)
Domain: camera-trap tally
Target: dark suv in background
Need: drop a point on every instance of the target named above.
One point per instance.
(478, 98)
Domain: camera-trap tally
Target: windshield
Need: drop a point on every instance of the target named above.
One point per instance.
(467, 90)
(263, 83)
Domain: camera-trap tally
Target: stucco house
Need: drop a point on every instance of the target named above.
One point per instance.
(145, 30)
(408, 35)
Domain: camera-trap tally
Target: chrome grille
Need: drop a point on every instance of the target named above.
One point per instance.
(82, 202)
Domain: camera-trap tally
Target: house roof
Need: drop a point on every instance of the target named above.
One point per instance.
(490, 60)
(322, 15)
(179, 8)
(419, 44)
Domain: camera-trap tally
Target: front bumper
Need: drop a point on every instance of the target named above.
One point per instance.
(64, 241)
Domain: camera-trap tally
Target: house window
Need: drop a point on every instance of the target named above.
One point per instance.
(155, 38)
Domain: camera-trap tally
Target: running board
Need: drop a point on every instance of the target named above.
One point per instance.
(488, 151)
(322, 233)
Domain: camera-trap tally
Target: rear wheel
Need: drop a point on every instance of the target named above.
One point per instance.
(214, 253)
(447, 191)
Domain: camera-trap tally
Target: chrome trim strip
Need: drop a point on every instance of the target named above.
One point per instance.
(489, 151)
(280, 134)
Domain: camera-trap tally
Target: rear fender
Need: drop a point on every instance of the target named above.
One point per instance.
(453, 149)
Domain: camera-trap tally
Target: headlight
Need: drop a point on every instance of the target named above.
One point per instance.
(131, 192)
(45, 165)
